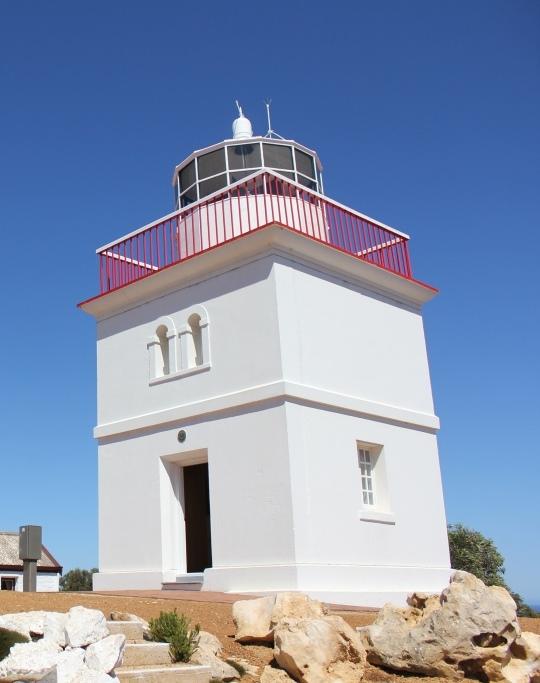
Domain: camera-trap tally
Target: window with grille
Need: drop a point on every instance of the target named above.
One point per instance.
(365, 461)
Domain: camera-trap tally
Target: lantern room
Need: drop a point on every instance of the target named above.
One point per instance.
(208, 170)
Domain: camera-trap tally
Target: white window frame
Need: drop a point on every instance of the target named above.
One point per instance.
(366, 464)
(374, 493)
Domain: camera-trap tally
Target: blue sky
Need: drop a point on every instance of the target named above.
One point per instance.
(425, 115)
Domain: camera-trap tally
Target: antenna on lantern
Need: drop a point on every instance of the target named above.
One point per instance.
(271, 133)
(241, 127)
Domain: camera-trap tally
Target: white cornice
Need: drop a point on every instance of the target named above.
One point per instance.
(265, 393)
(252, 246)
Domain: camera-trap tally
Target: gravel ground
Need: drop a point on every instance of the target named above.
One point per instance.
(212, 616)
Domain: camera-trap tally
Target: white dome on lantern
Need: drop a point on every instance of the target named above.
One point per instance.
(241, 127)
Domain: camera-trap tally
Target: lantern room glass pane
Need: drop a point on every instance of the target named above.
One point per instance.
(277, 156)
(304, 163)
(238, 175)
(189, 196)
(187, 176)
(287, 174)
(307, 182)
(212, 185)
(244, 156)
(211, 163)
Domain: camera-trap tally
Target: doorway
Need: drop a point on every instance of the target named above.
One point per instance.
(197, 518)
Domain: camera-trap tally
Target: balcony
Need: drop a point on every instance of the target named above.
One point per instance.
(261, 200)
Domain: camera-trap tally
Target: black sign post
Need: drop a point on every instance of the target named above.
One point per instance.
(29, 553)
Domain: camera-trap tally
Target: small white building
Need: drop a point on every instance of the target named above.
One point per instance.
(11, 567)
(265, 415)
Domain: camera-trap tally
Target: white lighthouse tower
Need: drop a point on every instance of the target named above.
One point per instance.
(265, 415)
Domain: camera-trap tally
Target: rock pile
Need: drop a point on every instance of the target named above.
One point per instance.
(470, 630)
(65, 648)
(208, 653)
(309, 645)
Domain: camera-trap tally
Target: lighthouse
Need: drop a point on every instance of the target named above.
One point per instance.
(265, 414)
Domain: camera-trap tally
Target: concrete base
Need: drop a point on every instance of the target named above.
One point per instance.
(338, 584)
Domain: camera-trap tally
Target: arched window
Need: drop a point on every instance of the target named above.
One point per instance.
(162, 349)
(164, 363)
(196, 350)
(195, 340)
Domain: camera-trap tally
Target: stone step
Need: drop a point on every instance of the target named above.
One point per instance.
(174, 586)
(133, 630)
(173, 673)
(146, 654)
(185, 582)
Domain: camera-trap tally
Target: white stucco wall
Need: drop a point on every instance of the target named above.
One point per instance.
(244, 346)
(46, 583)
(306, 361)
(345, 545)
(250, 495)
(286, 506)
(341, 336)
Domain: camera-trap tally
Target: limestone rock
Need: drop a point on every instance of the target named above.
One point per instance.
(106, 654)
(85, 626)
(27, 623)
(210, 643)
(54, 627)
(249, 669)
(29, 661)
(207, 654)
(127, 616)
(524, 665)
(271, 675)
(91, 676)
(252, 619)
(455, 635)
(255, 620)
(291, 605)
(86, 675)
(319, 650)
(69, 667)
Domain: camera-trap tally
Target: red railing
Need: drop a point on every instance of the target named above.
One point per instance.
(259, 201)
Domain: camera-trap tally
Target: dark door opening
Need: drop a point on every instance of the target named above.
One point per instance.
(197, 518)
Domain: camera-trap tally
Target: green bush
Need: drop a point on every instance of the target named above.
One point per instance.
(77, 580)
(473, 552)
(174, 628)
(8, 639)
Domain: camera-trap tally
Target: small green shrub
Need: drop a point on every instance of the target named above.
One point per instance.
(174, 628)
(8, 639)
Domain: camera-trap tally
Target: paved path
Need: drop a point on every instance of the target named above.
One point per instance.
(195, 596)
(210, 596)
